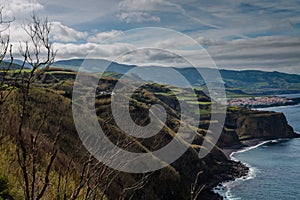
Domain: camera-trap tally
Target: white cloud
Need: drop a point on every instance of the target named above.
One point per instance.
(102, 36)
(93, 50)
(137, 17)
(144, 5)
(209, 42)
(64, 33)
(59, 32)
(231, 30)
(16, 8)
(265, 53)
(152, 57)
(17, 33)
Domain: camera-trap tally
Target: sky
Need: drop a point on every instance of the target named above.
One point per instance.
(237, 34)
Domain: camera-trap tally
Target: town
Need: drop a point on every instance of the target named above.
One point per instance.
(253, 102)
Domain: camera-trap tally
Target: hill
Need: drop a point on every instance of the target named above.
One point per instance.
(11, 66)
(49, 106)
(246, 82)
(97, 65)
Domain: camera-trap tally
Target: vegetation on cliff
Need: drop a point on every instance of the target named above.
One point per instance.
(52, 92)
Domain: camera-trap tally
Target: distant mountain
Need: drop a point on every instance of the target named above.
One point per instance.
(251, 81)
(6, 65)
(17, 64)
(236, 82)
(96, 65)
(20, 63)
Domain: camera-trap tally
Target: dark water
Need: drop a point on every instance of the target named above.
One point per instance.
(275, 166)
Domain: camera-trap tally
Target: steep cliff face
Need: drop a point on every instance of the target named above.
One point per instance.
(266, 125)
(246, 124)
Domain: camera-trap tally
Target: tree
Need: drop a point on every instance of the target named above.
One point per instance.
(196, 189)
(91, 179)
(38, 31)
(5, 50)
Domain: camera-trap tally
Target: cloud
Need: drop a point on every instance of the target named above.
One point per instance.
(16, 8)
(64, 33)
(152, 57)
(258, 47)
(102, 36)
(80, 13)
(59, 32)
(138, 10)
(17, 33)
(253, 18)
(137, 17)
(267, 53)
(239, 34)
(144, 10)
(143, 5)
(92, 50)
(156, 10)
(174, 41)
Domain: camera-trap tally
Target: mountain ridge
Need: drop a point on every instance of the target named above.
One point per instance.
(78, 61)
(237, 82)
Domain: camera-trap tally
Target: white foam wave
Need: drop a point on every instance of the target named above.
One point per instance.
(247, 149)
(224, 189)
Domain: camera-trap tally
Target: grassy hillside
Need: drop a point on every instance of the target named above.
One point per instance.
(49, 107)
(51, 96)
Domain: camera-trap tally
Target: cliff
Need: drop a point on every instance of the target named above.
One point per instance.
(243, 124)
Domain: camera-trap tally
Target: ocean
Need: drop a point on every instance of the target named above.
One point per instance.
(274, 166)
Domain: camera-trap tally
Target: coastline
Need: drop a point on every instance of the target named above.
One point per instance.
(222, 189)
(228, 151)
(256, 141)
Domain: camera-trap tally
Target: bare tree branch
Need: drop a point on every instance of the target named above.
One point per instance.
(195, 188)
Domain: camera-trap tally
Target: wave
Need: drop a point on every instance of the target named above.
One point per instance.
(224, 188)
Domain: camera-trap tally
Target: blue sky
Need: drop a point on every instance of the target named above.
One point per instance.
(248, 34)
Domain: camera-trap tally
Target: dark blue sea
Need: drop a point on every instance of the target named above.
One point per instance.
(274, 166)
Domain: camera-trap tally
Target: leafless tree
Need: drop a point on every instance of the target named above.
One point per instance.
(5, 53)
(32, 53)
(90, 178)
(196, 189)
(93, 179)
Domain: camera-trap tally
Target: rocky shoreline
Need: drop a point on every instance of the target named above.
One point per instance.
(243, 169)
(228, 150)
(239, 169)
